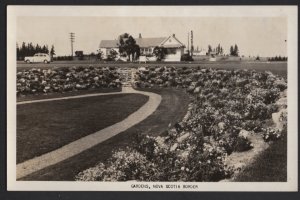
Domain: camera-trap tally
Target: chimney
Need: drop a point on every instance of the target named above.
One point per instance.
(140, 35)
(173, 34)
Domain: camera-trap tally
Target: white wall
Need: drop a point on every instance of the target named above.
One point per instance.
(174, 57)
(105, 51)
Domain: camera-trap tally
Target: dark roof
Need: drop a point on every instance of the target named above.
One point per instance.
(109, 43)
(173, 45)
(142, 42)
(149, 42)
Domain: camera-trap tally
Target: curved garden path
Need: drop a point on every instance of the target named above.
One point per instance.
(82, 144)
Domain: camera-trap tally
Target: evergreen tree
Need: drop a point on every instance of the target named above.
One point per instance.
(52, 51)
(209, 49)
(218, 49)
(231, 51)
(18, 52)
(45, 49)
(236, 50)
(37, 48)
(23, 50)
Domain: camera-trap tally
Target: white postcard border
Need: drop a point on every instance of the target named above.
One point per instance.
(153, 11)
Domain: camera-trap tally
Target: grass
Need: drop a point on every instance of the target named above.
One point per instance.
(279, 68)
(171, 110)
(43, 127)
(270, 166)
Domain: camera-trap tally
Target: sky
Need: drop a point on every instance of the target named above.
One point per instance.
(255, 36)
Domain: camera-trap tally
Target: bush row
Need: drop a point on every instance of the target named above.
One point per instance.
(34, 81)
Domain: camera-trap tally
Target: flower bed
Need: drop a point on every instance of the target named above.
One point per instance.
(35, 81)
(227, 107)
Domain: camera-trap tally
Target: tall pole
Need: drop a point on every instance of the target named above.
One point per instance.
(192, 43)
(72, 39)
(188, 49)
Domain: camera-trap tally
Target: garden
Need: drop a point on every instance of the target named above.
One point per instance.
(227, 106)
(65, 79)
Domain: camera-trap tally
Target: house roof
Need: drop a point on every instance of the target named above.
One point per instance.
(108, 43)
(179, 44)
(142, 42)
(172, 45)
(149, 42)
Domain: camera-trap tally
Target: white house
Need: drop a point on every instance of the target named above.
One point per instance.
(174, 48)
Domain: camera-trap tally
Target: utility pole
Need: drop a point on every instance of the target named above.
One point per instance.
(188, 49)
(72, 39)
(192, 44)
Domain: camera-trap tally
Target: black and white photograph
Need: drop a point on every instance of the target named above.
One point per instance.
(156, 98)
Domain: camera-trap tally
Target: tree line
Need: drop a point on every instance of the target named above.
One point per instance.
(233, 51)
(29, 50)
(278, 58)
(218, 50)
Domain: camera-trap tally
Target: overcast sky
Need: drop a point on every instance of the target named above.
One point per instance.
(263, 36)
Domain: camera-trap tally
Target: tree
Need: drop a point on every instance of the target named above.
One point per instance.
(23, 50)
(209, 49)
(18, 52)
(112, 55)
(79, 54)
(236, 50)
(52, 51)
(38, 48)
(30, 50)
(231, 51)
(45, 49)
(159, 52)
(99, 54)
(127, 44)
(218, 49)
(221, 51)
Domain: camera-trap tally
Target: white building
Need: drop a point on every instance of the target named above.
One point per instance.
(174, 48)
(201, 52)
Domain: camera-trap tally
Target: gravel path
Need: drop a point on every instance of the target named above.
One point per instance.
(78, 146)
(72, 97)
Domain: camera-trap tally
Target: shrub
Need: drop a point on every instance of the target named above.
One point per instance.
(36, 81)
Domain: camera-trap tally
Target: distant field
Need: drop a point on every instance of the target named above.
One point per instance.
(279, 68)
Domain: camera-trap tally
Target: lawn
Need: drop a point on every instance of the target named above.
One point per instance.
(43, 127)
(270, 166)
(172, 109)
(279, 68)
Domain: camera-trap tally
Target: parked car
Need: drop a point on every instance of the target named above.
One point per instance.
(38, 57)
